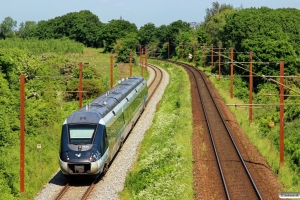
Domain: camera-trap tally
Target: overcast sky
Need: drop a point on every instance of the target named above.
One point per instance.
(139, 12)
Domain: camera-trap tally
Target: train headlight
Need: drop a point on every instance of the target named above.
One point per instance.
(95, 156)
(67, 155)
(92, 157)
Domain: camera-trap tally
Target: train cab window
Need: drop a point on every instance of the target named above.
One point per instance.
(81, 133)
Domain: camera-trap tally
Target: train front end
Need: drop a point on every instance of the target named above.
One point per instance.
(84, 145)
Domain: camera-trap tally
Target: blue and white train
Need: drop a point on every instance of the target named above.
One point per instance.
(92, 136)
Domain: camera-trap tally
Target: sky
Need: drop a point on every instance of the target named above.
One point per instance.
(139, 12)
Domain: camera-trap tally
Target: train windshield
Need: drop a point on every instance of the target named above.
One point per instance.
(81, 133)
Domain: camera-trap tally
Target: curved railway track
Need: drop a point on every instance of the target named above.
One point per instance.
(158, 76)
(81, 190)
(236, 180)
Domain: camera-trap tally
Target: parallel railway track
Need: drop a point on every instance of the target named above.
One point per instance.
(82, 190)
(235, 177)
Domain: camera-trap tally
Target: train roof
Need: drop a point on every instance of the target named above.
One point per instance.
(107, 101)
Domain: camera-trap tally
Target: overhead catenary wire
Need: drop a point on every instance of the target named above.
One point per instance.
(262, 76)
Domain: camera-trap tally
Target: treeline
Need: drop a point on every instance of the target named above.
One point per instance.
(117, 36)
(271, 34)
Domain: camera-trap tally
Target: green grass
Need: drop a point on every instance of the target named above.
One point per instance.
(163, 169)
(38, 47)
(95, 57)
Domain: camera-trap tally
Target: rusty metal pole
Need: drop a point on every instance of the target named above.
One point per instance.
(111, 72)
(80, 85)
(281, 113)
(250, 88)
(140, 52)
(146, 59)
(22, 130)
(231, 73)
(219, 62)
(142, 68)
(130, 64)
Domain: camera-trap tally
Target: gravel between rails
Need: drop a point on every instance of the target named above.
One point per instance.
(113, 181)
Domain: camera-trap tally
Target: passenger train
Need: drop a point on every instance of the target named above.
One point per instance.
(92, 136)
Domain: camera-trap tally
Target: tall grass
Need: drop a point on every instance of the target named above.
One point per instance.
(35, 46)
(163, 169)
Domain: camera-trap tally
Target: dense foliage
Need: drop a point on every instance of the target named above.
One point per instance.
(7, 28)
(272, 36)
(115, 30)
(83, 27)
(49, 78)
(37, 49)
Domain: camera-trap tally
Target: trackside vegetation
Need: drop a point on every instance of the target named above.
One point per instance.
(265, 139)
(50, 90)
(36, 47)
(163, 169)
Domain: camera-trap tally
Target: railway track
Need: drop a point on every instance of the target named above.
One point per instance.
(236, 180)
(82, 189)
(158, 76)
(77, 190)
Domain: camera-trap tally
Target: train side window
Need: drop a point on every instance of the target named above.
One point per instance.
(105, 140)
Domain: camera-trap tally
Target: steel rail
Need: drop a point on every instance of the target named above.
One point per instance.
(64, 190)
(159, 81)
(90, 189)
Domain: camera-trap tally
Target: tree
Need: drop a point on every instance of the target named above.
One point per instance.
(27, 29)
(174, 29)
(202, 35)
(215, 26)
(7, 28)
(264, 31)
(83, 26)
(126, 45)
(216, 9)
(168, 34)
(114, 30)
(148, 34)
(187, 39)
(162, 34)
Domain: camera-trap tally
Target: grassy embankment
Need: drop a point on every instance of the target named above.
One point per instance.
(100, 61)
(286, 175)
(46, 112)
(163, 169)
